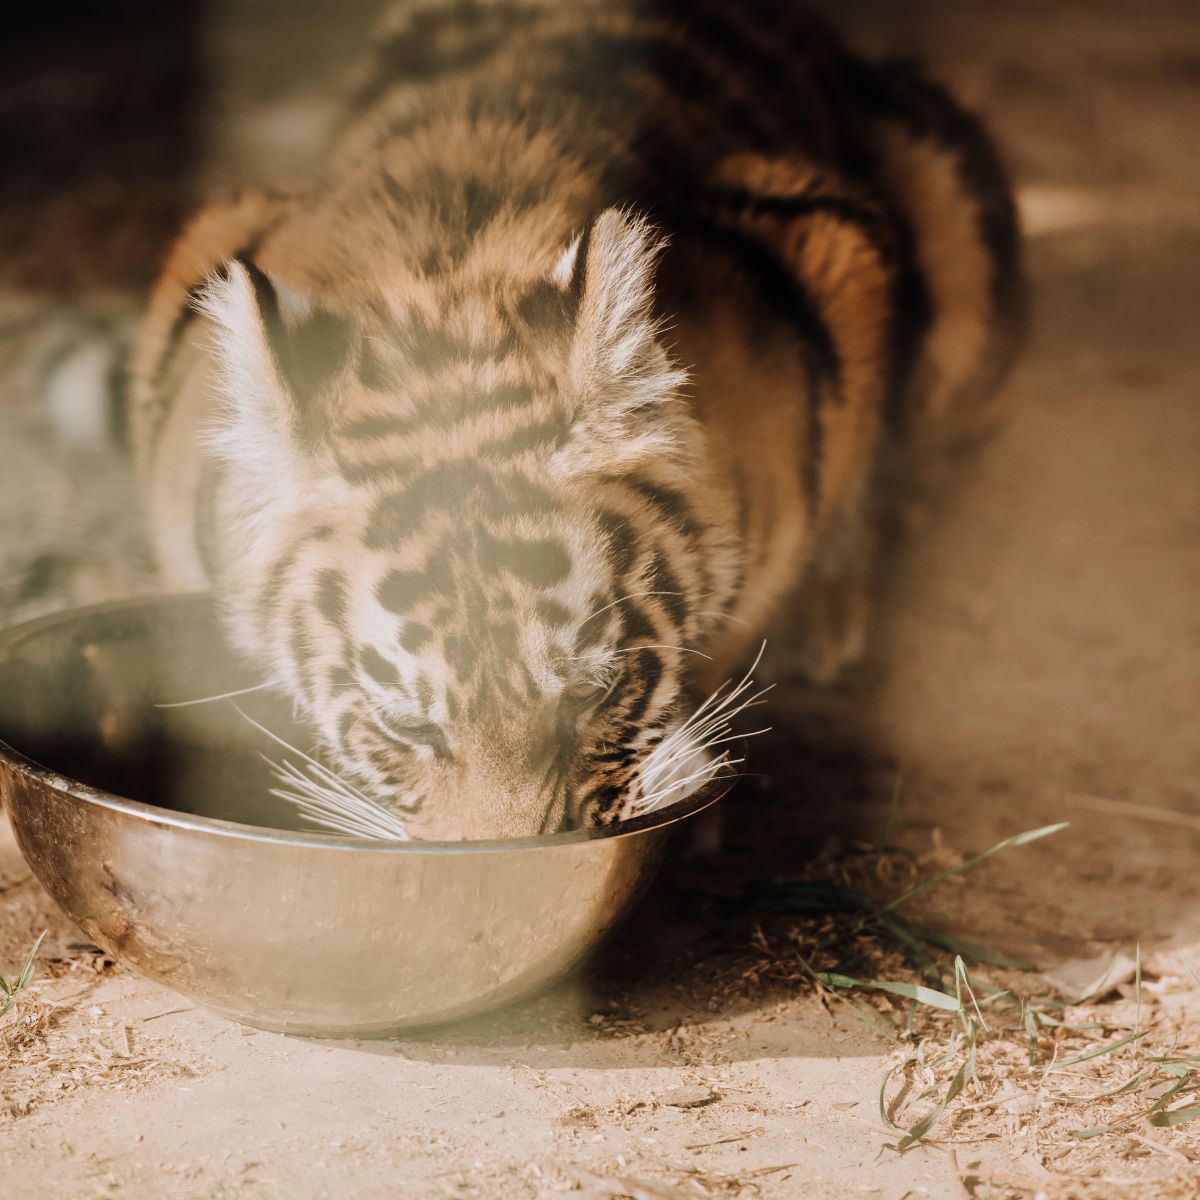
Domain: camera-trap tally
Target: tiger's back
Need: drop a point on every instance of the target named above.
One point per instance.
(465, 346)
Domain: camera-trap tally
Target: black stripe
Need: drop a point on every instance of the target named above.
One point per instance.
(372, 428)
(429, 345)
(552, 613)
(277, 576)
(331, 596)
(671, 504)
(912, 319)
(870, 221)
(183, 318)
(166, 359)
(662, 579)
(782, 292)
(377, 666)
(306, 357)
(900, 89)
(451, 407)
(622, 756)
(649, 670)
(546, 311)
(578, 280)
(546, 435)
(413, 636)
(372, 372)
(447, 488)
(622, 540)
(603, 800)
(461, 653)
(635, 625)
(266, 299)
(543, 562)
(591, 629)
(340, 680)
(459, 206)
(399, 591)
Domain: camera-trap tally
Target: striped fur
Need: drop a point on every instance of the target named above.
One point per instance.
(580, 366)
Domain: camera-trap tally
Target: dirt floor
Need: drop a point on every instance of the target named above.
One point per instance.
(1037, 660)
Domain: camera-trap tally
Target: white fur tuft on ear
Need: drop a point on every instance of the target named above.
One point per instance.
(253, 402)
(253, 434)
(618, 369)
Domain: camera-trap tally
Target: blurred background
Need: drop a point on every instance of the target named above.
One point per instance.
(1041, 639)
(1038, 653)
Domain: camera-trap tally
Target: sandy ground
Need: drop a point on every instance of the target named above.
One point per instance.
(1037, 660)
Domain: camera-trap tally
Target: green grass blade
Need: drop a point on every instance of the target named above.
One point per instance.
(963, 1076)
(27, 970)
(910, 991)
(833, 980)
(1177, 1116)
(883, 1112)
(921, 1128)
(1137, 988)
(915, 991)
(1009, 843)
(1095, 1131)
(11, 990)
(1097, 1052)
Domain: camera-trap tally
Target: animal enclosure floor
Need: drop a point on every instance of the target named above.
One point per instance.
(1037, 660)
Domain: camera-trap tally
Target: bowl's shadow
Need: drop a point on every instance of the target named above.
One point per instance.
(686, 956)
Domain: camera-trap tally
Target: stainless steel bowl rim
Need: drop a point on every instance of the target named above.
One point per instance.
(215, 827)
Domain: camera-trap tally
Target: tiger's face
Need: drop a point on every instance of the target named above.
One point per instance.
(484, 678)
(459, 538)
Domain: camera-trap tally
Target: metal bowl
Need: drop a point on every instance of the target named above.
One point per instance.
(277, 927)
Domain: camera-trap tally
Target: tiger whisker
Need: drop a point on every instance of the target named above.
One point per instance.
(715, 702)
(721, 616)
(645, 646)
(258, 687)
(697, 778)
(622, 600)
(706, 772)
(326, 798)
(687, 751)
(706, 729)
(637, 595)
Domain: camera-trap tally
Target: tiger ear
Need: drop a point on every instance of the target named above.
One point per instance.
(278, 358)
(619, 374)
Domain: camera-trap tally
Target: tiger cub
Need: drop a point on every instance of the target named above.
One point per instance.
(584, 361)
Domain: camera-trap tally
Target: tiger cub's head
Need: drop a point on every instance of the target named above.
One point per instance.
(460, 532)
